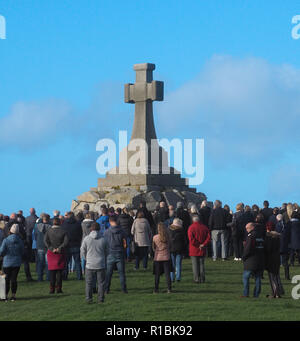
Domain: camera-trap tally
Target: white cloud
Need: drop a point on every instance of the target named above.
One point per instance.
(31, 123)
(246, 109)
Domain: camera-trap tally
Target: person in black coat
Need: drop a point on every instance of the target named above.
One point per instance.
(184, 216)
(161, 214)
(272, 260)
(253, 258)
(266, 211)
(125, 221)
(204, 213)
(218, 227)
(285, 238)
(295, 237)
(73, 229)
(178, 242)
(238, 231)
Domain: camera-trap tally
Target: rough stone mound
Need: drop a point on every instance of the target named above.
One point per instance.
(131, 197)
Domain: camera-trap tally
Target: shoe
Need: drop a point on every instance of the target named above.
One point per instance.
(169, 292)
(125, 291)
(196, 282)
(59, 291)
(135, 269)
(100, 301)
(236, 259)
(155, 291)
(244, 296)
(52, 291)
(106, 292)
(89, 301)
(13, 299)
(214, 259)
(177, 280)
(239, 259)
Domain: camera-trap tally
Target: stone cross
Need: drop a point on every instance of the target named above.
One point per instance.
(142, 94)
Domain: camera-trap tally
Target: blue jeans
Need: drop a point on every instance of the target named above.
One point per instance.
(118, 259)
(42, 265)
(246, 279)
(128, 241)
(75, 253)
(176, 260)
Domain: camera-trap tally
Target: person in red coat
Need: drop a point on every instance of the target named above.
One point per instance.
(199, 237)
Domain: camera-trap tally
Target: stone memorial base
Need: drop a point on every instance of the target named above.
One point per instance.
(131, 196)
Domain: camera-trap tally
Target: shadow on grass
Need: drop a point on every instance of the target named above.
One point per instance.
(44, 297)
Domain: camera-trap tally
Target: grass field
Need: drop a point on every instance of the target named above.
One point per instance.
(216, 300)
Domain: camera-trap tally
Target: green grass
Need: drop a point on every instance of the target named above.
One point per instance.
(216, 300)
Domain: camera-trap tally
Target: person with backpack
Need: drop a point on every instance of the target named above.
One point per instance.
(94, 249)
(103, 220)
(126, 221)
(116, 239)
(178, 243)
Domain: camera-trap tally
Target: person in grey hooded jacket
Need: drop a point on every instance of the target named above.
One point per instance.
(39, 233)
(94, 249)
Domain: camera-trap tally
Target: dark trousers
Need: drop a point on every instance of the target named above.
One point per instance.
(89, 283)
(55, 278)
(292, 256)
(237, 246)
(73, 252)
(285, 264)
(11, 279)
(158, 267)
(141, 254)
(276, 286)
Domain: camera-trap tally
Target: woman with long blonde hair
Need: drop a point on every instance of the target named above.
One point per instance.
(161, 264)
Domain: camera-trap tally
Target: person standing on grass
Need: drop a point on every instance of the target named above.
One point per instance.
(272, 260)
(162, 262)
(56, 241)
(116, 239)
(12, 249)
(253, 258)
(38, 235)
(285, 237)
(94, 250)
(126, 221)
(177, 247)
(73, 229)
(218, 227)
(199, 237)
(142, 235)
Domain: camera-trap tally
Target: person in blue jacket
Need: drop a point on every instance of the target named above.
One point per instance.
(12, 250)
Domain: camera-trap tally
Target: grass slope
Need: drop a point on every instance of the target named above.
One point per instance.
(216, 300)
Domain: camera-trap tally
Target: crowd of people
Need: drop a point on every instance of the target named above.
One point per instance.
(95, 244)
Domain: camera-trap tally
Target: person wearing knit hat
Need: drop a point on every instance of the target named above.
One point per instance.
(12, 249)
(177, 246)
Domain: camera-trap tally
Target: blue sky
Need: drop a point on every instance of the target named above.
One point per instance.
(231, 72)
